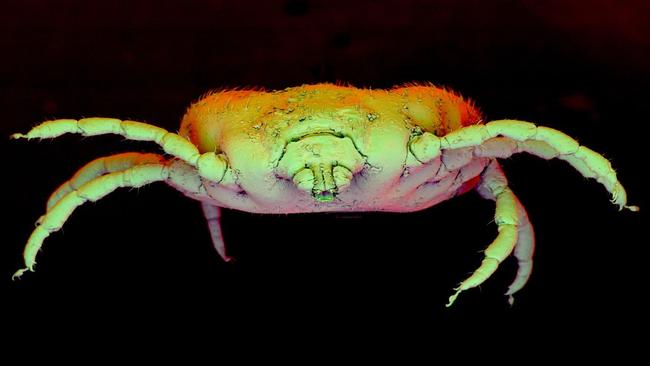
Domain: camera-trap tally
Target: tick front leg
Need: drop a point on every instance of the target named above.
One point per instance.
(99, 167)
(213, 216)
(92, 190)
(501, 139)
(494, 185)
(210, 165)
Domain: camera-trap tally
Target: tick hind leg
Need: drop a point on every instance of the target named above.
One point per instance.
(213, 216)
(93, 189)
(514, 228)
(524, 251)
(186, 179)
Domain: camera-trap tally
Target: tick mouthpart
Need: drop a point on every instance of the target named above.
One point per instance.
(323, 181)
(324, 196)
(321, 165)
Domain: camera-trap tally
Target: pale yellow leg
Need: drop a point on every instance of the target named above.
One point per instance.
(210, 165)
(213, 216)
(92, 190)
(524, 251)
(101, 166)
(495, 186)
(525, 246)
(505, 137)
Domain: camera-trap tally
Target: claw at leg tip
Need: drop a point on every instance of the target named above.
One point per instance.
(453, 298)
(19, 273)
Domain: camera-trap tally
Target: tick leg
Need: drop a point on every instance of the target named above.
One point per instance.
(523, 252)
(506, 137)
(213, 216)
(184, 178)
(99, 167)
(92, 190)
(210, 165)
(525, 246)
(494, 186)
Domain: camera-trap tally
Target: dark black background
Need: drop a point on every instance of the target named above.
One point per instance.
(140, 264)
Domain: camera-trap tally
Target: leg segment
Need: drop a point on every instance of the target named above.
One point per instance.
(99, 167)
(525, 246)
(210, 165)
(213, 216)
(92, 190)
(523, 252)
(505, 137)
(495, 186)
(185, 179)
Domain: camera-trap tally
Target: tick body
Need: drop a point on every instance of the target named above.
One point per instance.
(331, 148)
(328, 148)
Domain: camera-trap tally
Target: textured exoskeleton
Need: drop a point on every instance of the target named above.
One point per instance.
(325, 148)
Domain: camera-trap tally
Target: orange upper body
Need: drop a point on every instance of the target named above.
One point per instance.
(215, 118)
